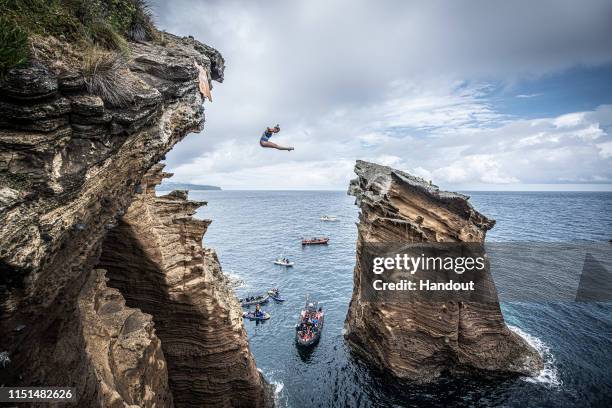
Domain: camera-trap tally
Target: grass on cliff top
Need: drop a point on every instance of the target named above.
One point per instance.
(106, 75)
(13, 45)
(85, 23)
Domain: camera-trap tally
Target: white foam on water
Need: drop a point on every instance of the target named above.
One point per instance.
(278, 387)
(280, 400)
(549, 375)
(235, 280)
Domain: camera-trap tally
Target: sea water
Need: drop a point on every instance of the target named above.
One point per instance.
(251, 228)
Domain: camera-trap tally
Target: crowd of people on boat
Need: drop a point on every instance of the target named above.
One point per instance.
(309, 326)
(252, 298)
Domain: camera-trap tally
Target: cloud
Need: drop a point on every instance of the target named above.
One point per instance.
(409, 83)
(566, 149)
(605, 150)
(286, 175)
(435, 106)
(482, 168)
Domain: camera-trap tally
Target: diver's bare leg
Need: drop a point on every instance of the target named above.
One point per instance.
(274, 146)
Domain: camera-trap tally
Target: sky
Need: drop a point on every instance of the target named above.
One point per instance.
(473, 95)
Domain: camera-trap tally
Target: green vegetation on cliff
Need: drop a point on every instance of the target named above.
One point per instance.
(103, 23)
(13, 44)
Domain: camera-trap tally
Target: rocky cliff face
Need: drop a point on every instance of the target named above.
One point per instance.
(198, 319)
(71, 165)
(420, 339)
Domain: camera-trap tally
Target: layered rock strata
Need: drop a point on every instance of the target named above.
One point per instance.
(70, 166)
(418, 338)
(198, 319)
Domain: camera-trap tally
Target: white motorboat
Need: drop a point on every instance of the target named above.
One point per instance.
(283, 262)
(328, 218)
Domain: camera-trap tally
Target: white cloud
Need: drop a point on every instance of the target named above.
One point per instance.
(482, 168)
(570, 120)
(407, 83)
(287, 175)
(605, 150)
(435, 106)
(390, 160)
(527, 151)
(421, 172)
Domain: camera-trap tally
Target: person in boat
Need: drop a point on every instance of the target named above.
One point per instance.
(258, 312)
(265, 139)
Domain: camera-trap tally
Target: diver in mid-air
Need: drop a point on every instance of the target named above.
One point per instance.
(265, 139)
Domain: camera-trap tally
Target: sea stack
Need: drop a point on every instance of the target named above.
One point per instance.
(154, 256)
(420, 339)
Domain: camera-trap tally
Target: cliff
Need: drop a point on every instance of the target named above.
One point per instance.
(150, 323)
(420, 338)
(198, 319)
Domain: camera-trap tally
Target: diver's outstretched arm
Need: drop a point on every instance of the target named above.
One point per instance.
(274, 146)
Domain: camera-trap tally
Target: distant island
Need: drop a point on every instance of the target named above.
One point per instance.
(165, 186)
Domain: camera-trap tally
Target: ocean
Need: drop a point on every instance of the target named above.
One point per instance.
(251, 228)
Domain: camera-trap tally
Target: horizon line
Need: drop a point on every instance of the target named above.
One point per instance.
(451, 190)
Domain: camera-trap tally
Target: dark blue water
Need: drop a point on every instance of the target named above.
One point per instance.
(251, 228)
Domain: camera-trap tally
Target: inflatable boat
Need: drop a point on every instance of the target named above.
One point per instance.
(283, 262)
(254, 300)
(275, 295)
(328, 218)
(253, 316)
(310, 325)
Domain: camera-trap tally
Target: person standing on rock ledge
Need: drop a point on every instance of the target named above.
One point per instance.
(265, 139)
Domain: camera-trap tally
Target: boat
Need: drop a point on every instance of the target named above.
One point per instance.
(253, 316)
(275, 295)
(315, 241)
(328, 218)
(254, 300)
(283, 262)
(310, 325)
